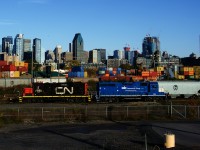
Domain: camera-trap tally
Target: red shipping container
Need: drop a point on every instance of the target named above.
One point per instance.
(3, 63)
(186, 73)
(22, 69)
(8, 68)
(153, 74)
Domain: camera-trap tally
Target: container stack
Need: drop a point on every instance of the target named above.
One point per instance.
(187, 72)
(196, 72)
(12, 69)
(76, 71)
(159, 70)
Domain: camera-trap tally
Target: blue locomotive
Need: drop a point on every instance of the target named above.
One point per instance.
(129, 91)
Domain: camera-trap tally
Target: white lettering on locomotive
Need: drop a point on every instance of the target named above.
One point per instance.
(62, 90)
(38, 90)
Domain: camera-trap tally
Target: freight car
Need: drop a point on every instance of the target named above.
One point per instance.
(59, 92)
(126, 91)
(183, 89)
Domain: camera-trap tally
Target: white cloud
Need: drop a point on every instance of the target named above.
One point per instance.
(7, 22)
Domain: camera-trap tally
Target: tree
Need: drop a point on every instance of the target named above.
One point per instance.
(126, 66)
(36, 66)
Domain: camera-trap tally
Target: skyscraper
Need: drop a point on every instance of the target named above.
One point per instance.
(150, 45)
(49, 56)
(57, 52)
(118, 54)
(7, 45)
(18, 46)
(37, 50)
(102, 55)
(94, 56)
(27, 49)
(127, 53)
(78, 47)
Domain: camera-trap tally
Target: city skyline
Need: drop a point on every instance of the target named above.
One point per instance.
(105, 24)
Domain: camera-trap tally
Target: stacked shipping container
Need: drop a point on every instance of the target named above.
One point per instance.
(12, 69)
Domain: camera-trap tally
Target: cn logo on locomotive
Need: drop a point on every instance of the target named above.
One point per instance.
(63, 90)
(175, 87)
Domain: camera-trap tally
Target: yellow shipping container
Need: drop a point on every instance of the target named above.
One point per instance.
(181, 77)
(190, 69)
(197, 70)
(159, 69)
(196, 76)
(21, 64)
(15, 63)
(176, 74)
(151, 70)
(85, 74)
(16, 74)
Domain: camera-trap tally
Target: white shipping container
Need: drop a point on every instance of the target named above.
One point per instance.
(12, 74)
(8, 74)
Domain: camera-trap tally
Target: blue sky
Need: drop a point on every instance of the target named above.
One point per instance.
(109, 24)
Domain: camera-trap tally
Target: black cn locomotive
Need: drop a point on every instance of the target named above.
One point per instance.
(59, 92)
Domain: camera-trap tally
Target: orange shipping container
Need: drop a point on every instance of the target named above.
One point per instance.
(107, 75)
(145, 73)
(26, 65)
(191, 73)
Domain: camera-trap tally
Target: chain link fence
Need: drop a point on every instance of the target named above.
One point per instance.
(98, 112)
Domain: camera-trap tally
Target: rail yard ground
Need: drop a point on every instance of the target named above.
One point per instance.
(129, 135)
(98, 126)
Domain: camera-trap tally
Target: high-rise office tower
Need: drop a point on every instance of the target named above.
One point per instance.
(18, 46)
(150, 45)
(66, 56)
(127, 53)
(7, 45)
(49, 56)
(27, 49)
(102, 54)
(118, 54)
(57, 52)
(37, 50)
(94, 56)
(78, 47)
(70, 47)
